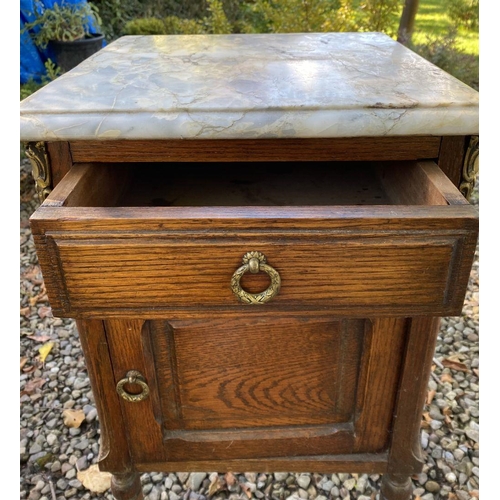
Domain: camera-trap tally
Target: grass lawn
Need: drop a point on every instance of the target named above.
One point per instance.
(432, 21)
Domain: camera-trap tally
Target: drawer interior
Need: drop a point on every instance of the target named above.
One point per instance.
(254, 184)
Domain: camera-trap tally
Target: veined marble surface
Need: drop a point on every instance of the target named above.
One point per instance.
(251, 86)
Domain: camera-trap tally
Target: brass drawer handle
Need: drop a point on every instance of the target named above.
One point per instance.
(255, 262)
(133, 377)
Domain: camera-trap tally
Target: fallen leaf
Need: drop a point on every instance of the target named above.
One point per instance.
(455, 365)
(44, 351)
(39, 338)
(446, 377)
(476, 371)
(73, 418)
(44, 311)
(216, 484)
(246, 489)
(32, 385)
(430, 397)
(32, 274)
(94, 480)
(41, 297)
(28, 369)
(456, 357)
(24, 360)
(230, 478)
(474, 493)
(25, 311)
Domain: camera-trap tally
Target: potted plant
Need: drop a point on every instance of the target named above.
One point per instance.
(65, 30)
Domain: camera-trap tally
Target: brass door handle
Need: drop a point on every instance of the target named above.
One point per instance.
(255, 262)
(133, 377)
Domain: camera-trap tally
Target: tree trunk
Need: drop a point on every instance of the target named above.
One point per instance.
(407, 21)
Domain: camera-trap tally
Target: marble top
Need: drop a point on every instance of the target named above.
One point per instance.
(251, 86)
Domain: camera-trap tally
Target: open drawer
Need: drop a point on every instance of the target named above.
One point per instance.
(350, 239)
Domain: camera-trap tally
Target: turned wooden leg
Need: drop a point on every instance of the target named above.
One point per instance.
(396, 487)
(126, 486)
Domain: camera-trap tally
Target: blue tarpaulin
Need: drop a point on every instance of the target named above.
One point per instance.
(32, 57)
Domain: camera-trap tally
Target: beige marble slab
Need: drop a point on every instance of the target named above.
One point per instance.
(251, 86)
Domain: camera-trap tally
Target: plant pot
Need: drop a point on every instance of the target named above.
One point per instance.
(70, 54)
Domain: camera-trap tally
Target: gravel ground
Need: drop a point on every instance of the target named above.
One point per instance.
(53, 454)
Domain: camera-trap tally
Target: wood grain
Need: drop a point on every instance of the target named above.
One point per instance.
(60, 160)
(406, 457)
(377, 388)
(114, 455)
(85, 185)
(374, 275)
(451, 157)
(302, 383)
(255, 386)
(143, 431)
(251, 150)
(225, 396)
(369, 463)
(347, 257)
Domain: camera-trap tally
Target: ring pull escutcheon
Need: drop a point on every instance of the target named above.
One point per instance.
(255, 262)
(133, 377)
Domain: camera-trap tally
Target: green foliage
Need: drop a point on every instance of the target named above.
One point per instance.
(116, 13)
(292, 16)
(53, 71)
(178, 26)
(379, 15)
(464, 12)
(444, 53)
(145, 26)
(289, 16)
(215, 23)
(171, 25)
(30, 87)
(63, 22)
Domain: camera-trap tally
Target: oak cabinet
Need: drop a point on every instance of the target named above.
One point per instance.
(258, 303)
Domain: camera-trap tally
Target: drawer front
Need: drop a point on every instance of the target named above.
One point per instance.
(395, 274)
(258, 388)
(409, 255)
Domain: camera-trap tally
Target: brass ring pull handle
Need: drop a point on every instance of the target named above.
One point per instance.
(133, 377)
(255, 262)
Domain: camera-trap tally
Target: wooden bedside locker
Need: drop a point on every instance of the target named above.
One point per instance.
(257, 235)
